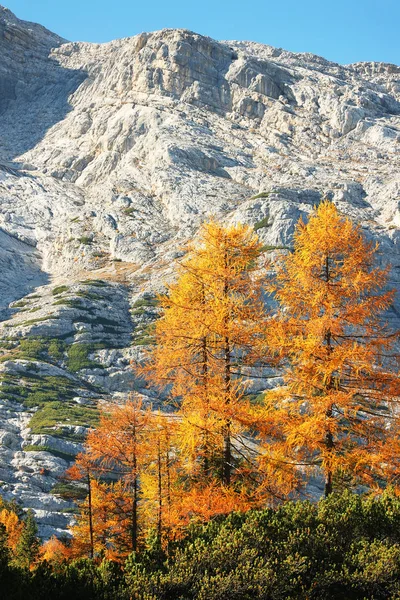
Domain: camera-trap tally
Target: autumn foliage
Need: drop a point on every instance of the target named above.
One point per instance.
(207, 338)
(338, 406)
(220, 447)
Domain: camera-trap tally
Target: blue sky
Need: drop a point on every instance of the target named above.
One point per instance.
(341, 30)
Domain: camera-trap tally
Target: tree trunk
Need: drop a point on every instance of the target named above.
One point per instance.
(227, 466)
(134, 530)
(329, 442)
(206, 461)
(330, 445)
(160, 507)
(227, 459)
(89, 482)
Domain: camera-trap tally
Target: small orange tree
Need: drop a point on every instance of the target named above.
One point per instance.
(119, 449)
(82, 471)
(341, 382)
(108, 532)
(161, 481)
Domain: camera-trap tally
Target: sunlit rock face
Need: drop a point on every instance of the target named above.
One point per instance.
(111, 156)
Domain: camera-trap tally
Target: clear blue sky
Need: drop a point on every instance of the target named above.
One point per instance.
(341, 30)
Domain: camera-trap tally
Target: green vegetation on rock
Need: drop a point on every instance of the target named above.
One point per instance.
(60, 290)
(50, 418)
(78, 357)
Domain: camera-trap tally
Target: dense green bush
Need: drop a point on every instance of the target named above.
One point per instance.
(343, 548)
(78, 357)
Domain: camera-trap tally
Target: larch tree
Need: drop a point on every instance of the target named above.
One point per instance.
(119, 449)
(160, 482)
(212, 320)
(82, 471)
(13, 527)
(108, 533)
(338, 403)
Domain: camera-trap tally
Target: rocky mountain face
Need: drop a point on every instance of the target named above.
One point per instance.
(111, 155)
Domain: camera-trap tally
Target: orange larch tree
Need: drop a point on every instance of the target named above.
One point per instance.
(341, 386)
(161, 481)
(119, 449)
(82, 471)
(108, 533)
(212, 322)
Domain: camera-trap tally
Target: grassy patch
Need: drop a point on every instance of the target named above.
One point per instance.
(85, 240)
(89, 296)
(271, 248)
(64, 455)
(53, 414)
(146, 301)
(32, 348)
(261, 195)
(60, 290)
(71, 303)
(95, 282)
(41, 349)
(35, 391)
(56, 349)
(69, 491)
(20, 304)
(129, 211)
(144, 336)
(34, 321)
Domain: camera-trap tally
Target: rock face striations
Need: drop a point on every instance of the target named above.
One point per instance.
(111, 155)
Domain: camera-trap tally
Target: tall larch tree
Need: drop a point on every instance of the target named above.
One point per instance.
(82, 471)
(338, 404)
(211, 323)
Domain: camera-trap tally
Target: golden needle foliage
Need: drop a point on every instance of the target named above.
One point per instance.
(336, 411)
(341, 382)
(206, 339)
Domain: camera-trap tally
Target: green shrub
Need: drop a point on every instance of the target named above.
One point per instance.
(53, 414)
(56, 349)
(78, 357)
(60, 290)
(32, 348)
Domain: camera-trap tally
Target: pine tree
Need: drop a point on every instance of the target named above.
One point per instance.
(28, 546)
(341, 376)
